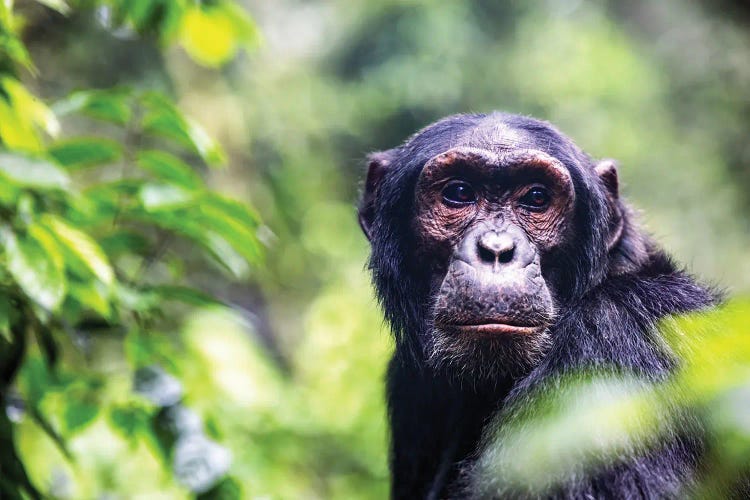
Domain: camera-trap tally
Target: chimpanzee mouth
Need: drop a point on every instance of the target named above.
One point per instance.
(492, 328)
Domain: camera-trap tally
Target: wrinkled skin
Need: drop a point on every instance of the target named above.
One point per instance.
(503, 257)
(493, 292)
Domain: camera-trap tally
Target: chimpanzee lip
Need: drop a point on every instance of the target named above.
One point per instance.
(495, 328)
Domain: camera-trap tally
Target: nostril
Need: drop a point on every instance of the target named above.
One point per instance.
(486, 255)
(505, 257)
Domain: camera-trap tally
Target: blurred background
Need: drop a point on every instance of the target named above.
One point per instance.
(289, 381)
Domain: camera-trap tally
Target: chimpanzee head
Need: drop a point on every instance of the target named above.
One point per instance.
(483, 229)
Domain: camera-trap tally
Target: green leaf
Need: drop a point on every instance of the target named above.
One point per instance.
(124, 242)
(31, 172)
(128, 421)
(11, 46)
(82, 246)
(85, 152)
(104, 201)
(169, 168)
(224, 227)
(34, 379)
(227, 489)
(235, 231)
(5, 312)
(197, 228)
(36, 265)
(160, 197)
(111, 105)
(91, 296)
(78, 414)
(151, 17)
(226, 254)
(31, 111)
(47, 344)
(240, 212)
(185, 294)
(164, 119)
(16, 131)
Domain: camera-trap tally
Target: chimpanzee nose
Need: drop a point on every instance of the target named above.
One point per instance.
(496, 246)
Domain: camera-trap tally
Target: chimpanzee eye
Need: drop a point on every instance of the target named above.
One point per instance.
(459, 193)
(536, 197)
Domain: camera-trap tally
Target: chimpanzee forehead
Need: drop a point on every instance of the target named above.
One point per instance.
(497, 136)
(497, 132)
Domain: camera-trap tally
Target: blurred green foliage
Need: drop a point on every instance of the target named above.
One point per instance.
(83, 223)
(587, 420)
(113, 213)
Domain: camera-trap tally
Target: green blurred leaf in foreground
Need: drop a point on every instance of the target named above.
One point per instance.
(585, 421)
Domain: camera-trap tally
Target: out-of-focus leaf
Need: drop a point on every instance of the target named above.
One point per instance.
(10, 45)
(108, 105)
(43, 422)
(5, 312)
(16, 131)
(82, 246)
(195, 226)
(57, 5)
(158, 197)
(571, 427)
(29, 107)
(135, 300)
(211, 34)
(167, 167)
(91, 295)
(164, 119)
(241, 236)
(78, 414)
(226, 255)
(240, 212)
(200, 463)
(244, 26)
(47, 344)
(151, 17)
(225, 227)
(85, 152)
(129, 420)
(122, 242)
(227, 489)
(156, 385)
(208, 35)
(185, 294)
(106, 200)
(182, 421)
(9, 193)
(31, 172)
(36, 265)
(34, 380)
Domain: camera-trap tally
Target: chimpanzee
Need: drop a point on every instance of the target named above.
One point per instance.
(503, 256)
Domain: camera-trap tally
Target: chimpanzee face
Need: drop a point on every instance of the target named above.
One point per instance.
(490, 227)
(486, 217)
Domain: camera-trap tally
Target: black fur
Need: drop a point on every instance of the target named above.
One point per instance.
(608, 303)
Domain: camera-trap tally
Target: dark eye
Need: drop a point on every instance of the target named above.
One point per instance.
(459, 193)
(536, 197)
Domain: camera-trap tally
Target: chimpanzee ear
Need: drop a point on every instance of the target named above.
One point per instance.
(377, 165)
(607, 172)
